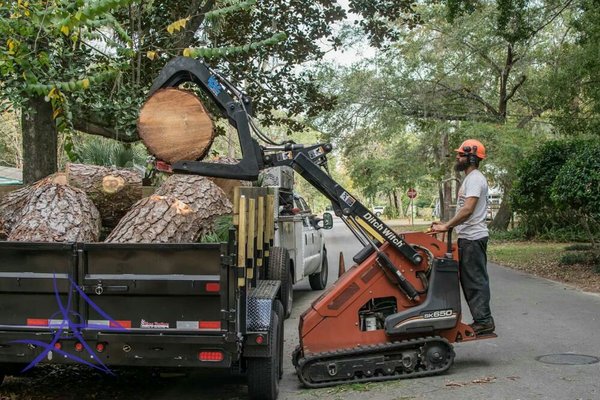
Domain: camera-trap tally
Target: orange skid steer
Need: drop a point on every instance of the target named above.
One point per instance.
(397, 311)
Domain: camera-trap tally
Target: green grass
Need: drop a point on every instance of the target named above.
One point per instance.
(521, 253)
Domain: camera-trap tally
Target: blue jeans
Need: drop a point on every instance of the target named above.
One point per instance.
(474, 278)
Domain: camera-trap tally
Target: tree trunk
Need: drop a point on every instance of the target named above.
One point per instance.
(502, 218)
(181, 211)
(175, 126)
(40, 142)
(228, 185)
(12, 204)
(113, 190)
(57, 213)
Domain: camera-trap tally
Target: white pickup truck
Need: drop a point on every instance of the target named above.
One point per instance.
(299, 238)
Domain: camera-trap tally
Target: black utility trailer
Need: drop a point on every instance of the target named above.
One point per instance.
(184, 306)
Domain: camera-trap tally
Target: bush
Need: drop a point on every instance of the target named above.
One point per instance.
(557, 192)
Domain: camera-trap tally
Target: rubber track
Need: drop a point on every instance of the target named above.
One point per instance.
(303, 364)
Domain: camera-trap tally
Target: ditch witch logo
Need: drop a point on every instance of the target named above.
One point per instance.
(383, 230)
(68, 329)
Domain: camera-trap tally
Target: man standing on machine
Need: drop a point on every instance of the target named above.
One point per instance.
(472, 233)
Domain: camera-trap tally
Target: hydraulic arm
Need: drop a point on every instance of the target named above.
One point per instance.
(397, 311)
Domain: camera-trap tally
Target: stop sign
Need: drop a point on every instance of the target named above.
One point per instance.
(412, 193)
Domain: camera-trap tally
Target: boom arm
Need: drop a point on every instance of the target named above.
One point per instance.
(307, 161)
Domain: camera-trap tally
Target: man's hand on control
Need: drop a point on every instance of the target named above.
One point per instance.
(439, 227)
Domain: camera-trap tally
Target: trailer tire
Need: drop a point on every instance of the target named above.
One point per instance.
(263, 373)
(279, 270)
(318, 281)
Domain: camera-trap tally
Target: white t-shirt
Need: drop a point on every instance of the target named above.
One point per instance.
(474, 185)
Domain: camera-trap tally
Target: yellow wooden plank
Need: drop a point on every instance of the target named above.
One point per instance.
(251, 235)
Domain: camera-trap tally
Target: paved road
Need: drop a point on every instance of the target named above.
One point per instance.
(535, 317)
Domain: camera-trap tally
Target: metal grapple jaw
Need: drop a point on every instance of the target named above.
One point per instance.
(221, 92)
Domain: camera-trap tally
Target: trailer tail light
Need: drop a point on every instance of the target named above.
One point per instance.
(78, 346)
(213, 287)
(100, 347)
(37, 322)
(260, 339)
(212, 356)
(213, 325)
(58, 345)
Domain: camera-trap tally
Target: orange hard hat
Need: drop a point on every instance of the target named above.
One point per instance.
(472, 145)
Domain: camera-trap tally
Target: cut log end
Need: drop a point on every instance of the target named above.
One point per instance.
(175, 126)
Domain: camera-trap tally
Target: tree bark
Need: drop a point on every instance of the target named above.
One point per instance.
(57, 213)
(175, 126)
(113, 190)
(181, 211)
(40, 142)
(12, 204)
(502, 218)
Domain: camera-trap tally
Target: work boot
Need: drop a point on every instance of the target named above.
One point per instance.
(483, 328)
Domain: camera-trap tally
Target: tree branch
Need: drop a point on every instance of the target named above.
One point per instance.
(522, 80)
(95, 129)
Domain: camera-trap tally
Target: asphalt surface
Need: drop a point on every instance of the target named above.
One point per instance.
(534, 317)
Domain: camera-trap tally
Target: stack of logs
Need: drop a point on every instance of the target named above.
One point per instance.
(87, 200)
(80, 203)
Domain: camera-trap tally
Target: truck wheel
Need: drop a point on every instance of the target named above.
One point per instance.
(279, 270)
(318, 281)
(263, 373)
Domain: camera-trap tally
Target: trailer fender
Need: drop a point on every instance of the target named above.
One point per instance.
(261, 301)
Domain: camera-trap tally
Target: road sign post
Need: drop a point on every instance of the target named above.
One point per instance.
(412, 193)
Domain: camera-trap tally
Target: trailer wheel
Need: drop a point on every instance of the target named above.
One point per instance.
(263, 373)
(318, 281)
(279, 270)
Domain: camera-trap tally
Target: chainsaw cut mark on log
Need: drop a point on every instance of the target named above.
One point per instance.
(174, 125)
(112, 184)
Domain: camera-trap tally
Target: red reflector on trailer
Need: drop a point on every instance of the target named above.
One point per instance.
(58, 345)
(260, 339)
(37, 322)
(215, 356)
(78, 346)
(213, 286)
(209, 325)
(100, 347)
(120, 324)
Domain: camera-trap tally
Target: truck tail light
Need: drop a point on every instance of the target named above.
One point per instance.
(213, 356)
(78, 346)
(100, 347)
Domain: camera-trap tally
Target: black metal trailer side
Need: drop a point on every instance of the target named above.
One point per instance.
(149, 305)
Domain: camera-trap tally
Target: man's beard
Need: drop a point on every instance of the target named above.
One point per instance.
(460, 166)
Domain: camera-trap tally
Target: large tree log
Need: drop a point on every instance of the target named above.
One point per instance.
(175, 126)
(113, 190)
(228, 185)
(12, 204)
(182, 210)
(57, 213)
